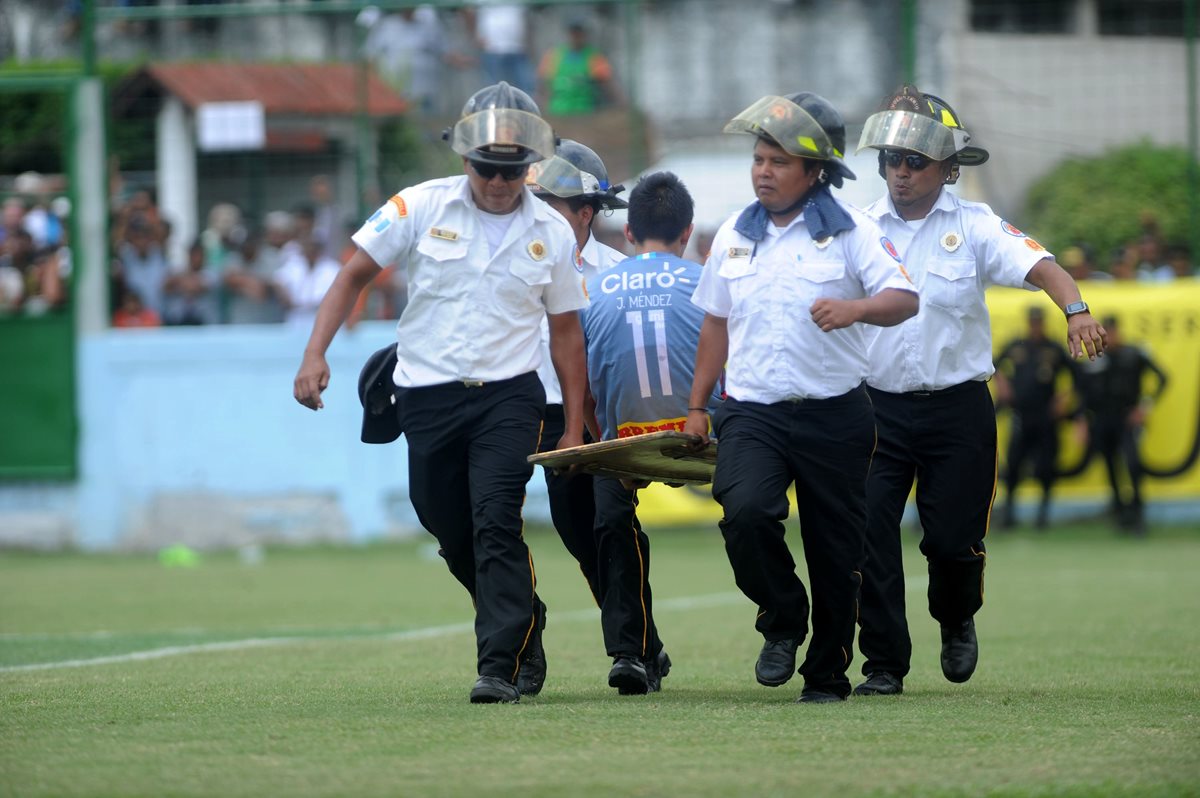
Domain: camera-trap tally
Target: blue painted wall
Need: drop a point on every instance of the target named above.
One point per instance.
(208, 411)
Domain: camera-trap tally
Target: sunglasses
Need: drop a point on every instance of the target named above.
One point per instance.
(489, 170)
(915, 161)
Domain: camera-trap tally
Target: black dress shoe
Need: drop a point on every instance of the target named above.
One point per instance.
(628, 675)
(656, 669)
(960, 651)
(880, 683)
(816, 695)
(776, 662)
(494, 690)
(532, 672)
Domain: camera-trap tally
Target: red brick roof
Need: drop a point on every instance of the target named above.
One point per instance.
(300, 89)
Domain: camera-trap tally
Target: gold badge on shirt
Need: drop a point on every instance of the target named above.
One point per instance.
(1035, 246)
(445, 235)
(537, 249)
(739, 252)
(951, 242)
(822, 243)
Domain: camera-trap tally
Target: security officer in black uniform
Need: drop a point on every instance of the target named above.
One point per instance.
(487, 264)
(1116, 410)
(1027, 372)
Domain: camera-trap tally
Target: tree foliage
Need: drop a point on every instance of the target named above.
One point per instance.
(1105, 201)
(33, 123)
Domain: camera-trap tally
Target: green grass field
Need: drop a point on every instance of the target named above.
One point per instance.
(346, 672)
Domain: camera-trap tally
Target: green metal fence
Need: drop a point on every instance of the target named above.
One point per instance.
(37, 342)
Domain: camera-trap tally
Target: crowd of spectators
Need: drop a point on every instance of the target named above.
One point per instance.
(243, 271)
(35, 259)
(415, 49)
(236, 270)
(1145, 258)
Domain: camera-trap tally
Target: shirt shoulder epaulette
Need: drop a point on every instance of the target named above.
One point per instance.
(969, 206)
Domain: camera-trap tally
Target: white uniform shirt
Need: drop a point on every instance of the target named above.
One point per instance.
(501, 27)
(591, 260)
(776, 350)
(471, 315)
(952, 256)
(305, 286)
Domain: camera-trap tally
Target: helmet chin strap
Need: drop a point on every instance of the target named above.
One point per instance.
(798, 204)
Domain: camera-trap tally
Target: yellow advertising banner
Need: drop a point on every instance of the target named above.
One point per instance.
(1161, 318)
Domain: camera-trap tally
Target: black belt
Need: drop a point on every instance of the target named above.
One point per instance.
(469, 383)
(962, 386)
(810, 400)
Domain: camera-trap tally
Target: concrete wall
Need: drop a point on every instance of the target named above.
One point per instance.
(1034, 100)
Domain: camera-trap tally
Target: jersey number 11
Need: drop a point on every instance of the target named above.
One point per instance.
(658, 320)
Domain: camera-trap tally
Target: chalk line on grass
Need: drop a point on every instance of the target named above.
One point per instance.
(682, 603)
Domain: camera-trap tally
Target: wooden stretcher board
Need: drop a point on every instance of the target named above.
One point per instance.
(656, 456)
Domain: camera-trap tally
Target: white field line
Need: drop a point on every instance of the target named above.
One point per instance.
(677, 604)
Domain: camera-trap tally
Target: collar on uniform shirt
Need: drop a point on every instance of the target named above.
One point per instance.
(822, 214)
(945, 202)
(588, 253)
(530, 208)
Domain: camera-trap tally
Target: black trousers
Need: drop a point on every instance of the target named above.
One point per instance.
(467, 449)
(824, 448)
(1115, 440)
(1034, 437)
(626, 607)
(572, 505)
(946, 441)
(607, 555)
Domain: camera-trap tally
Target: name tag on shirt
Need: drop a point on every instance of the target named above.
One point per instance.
(739, 252)
(445, 235)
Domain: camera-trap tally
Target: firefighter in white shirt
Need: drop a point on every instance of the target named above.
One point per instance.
(928, 382)
(783, 289)
(485, 263)
(575, 183)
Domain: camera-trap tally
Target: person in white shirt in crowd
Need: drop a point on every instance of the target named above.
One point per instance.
(485, 262)
(502, 32)
(411, 51)
(928, 383)
(790, 288)
(303, 280)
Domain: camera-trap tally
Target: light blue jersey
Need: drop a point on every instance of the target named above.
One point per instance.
(642, 331)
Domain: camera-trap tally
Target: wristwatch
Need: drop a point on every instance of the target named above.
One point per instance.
(1075, 308)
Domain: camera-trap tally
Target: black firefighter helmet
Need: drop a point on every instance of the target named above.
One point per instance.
(913, 121)
(803, 124)
(575, 171)
(500, 124)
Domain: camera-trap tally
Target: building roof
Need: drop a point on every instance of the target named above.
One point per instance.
(311, 89)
